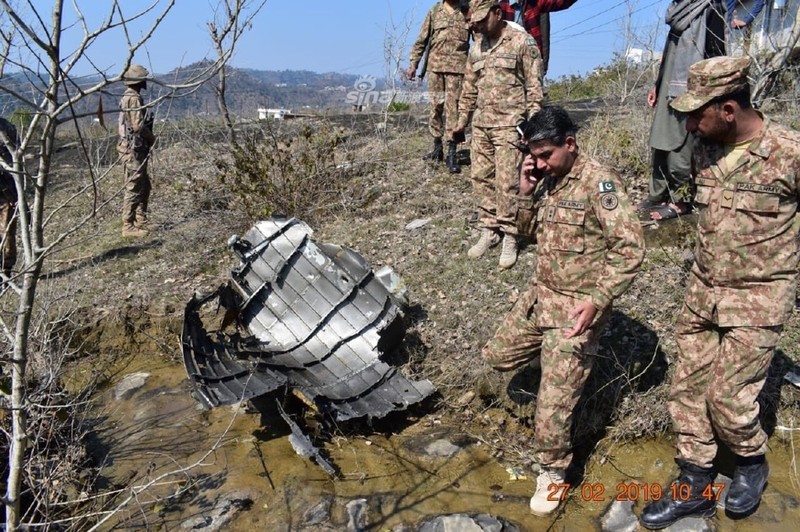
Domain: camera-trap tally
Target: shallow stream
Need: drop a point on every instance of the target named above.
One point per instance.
(157, 436)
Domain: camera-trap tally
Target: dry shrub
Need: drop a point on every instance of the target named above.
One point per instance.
(619, 137)
(294, 172)
(57, 476)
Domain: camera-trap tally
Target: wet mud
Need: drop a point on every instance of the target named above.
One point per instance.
(179, 466)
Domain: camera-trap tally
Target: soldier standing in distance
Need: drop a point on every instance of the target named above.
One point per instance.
(741, 288)
(502, 88)
(8, 198)
(589, 249)
(135, 140)
(446, 36)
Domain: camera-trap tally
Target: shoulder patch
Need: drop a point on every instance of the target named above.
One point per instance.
(530, 41)
(607, 186)
(609, 201)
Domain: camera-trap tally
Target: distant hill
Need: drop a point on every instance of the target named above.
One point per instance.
(249, 89)
(246, 91)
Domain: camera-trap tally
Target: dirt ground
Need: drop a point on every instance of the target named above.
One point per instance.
(130, 294)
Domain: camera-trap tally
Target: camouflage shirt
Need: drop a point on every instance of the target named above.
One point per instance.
(132, 121)
(589, 241)
(746, 254)
(446, 34)
(502, 85)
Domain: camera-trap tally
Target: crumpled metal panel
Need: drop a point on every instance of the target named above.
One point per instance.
(319, 318)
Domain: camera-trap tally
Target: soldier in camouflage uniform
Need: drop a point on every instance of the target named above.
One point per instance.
(8, 197)
(135, 140)
(741, 287)
(589, 249)
(502, 87)
(445, 35)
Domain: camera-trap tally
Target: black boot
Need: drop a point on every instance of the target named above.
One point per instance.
(749, 480)
(437, 154)
(690, 495)
(452, 165)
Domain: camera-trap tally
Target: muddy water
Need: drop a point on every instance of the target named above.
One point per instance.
(159, 439)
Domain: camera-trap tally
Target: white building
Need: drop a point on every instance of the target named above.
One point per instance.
(273, 114)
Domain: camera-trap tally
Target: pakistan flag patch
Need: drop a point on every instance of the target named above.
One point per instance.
(607, 186)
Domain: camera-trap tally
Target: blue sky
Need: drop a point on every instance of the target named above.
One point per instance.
(348, 35)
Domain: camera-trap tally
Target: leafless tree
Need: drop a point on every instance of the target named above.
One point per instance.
(231, 19)
(38, 71)
(774, 61)
(631, 73)
(394, 48)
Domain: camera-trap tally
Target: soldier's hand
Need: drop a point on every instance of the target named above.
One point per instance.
(411, 73)
(527, 178)
(583, 315)
(651, 96)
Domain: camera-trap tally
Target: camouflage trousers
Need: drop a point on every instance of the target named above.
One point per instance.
(8, 233)
(137, 191)
(445, 90)
(495, 176)
(566, 364)
(720, 372)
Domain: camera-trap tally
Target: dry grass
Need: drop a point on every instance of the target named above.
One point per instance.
(456, 303)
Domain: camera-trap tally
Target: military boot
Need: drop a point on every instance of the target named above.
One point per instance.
(131, 231)
(489, 238)
(437, 154)
(452, 165)
(141, 221)
(508, 257)
(749, 480)
(549, 493)
(690, 495)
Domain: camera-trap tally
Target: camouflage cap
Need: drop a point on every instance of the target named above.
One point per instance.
(711, 78)
(481, 8)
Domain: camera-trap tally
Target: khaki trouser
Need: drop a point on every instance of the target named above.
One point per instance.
(720, 372)
(566, 364)
(137, 190)
(495, 176)
(445, 90)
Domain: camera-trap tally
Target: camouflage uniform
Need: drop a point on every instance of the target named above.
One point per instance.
(741, 291)
(8, 201)
(502, 87)
(136, 139)
(589, 248)
(446, 36)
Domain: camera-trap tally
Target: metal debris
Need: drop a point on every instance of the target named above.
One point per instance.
(315, 318)
(302, 444)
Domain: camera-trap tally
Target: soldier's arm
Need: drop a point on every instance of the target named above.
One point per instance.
(623, 238)
(418, 48)
(469, 97)
(526, 205)
(532, 74)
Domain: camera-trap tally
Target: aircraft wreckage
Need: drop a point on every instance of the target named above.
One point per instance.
(317, 320)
